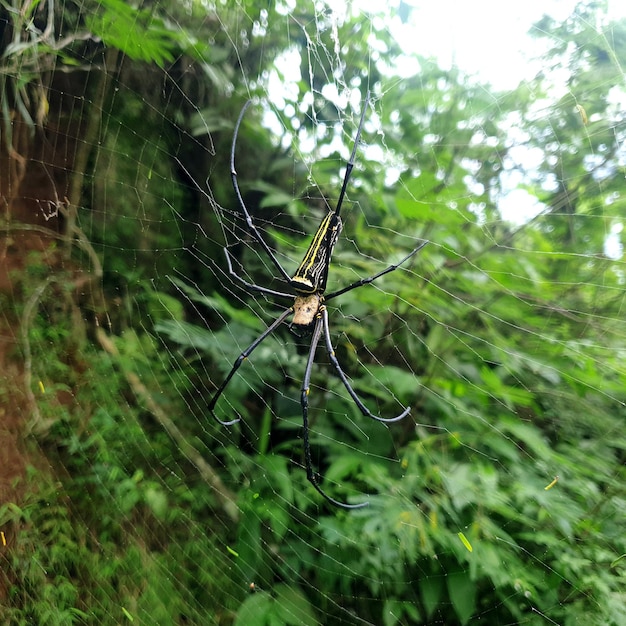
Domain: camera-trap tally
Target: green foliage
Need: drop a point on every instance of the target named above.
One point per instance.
(286, 605)
(139, 33)
(496, 341)
(96, 539)
(505, 340)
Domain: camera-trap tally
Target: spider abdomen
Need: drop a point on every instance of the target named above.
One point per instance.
(312, 273)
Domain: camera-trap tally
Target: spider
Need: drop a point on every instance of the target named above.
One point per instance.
(310, 316)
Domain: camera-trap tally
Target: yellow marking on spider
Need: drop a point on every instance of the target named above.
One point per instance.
(554, 482)
(3, 537)
(311, 256)
(465, 542)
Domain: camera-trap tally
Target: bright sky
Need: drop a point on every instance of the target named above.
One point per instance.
(484, 37)
(489, 39)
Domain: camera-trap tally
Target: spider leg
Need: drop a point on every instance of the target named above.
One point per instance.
(370, 279)
(304, 399)
(350, 163)
(344, 378)
(240, 359)
(252, 286)
(251, 227)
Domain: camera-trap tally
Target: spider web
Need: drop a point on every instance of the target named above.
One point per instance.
(499, 498)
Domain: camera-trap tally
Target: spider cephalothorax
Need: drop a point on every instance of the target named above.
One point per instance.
(305, 308)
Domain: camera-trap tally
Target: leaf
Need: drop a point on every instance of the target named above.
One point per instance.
(186, 335)
(249, 546)
(413, 198)
(343, 466)
(404, 384)
(395, 611)
(219, 303)
(273, 196)
(137, 33)
(293, 607)
(157, 501)
(465, 541)
(431, 589)
(278, 476)
(254, 611)
(462, 592)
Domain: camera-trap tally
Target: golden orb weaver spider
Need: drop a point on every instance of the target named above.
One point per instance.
(308, 286)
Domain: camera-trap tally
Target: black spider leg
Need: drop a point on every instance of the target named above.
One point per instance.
(251, 227)
(304, 400)
(344, 378)
(252, 286)
(330, 241)
(350, 163)
(370, 279)
(331, 351)
(240, 359)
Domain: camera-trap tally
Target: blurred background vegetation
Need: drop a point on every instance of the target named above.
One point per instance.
(500, 500)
